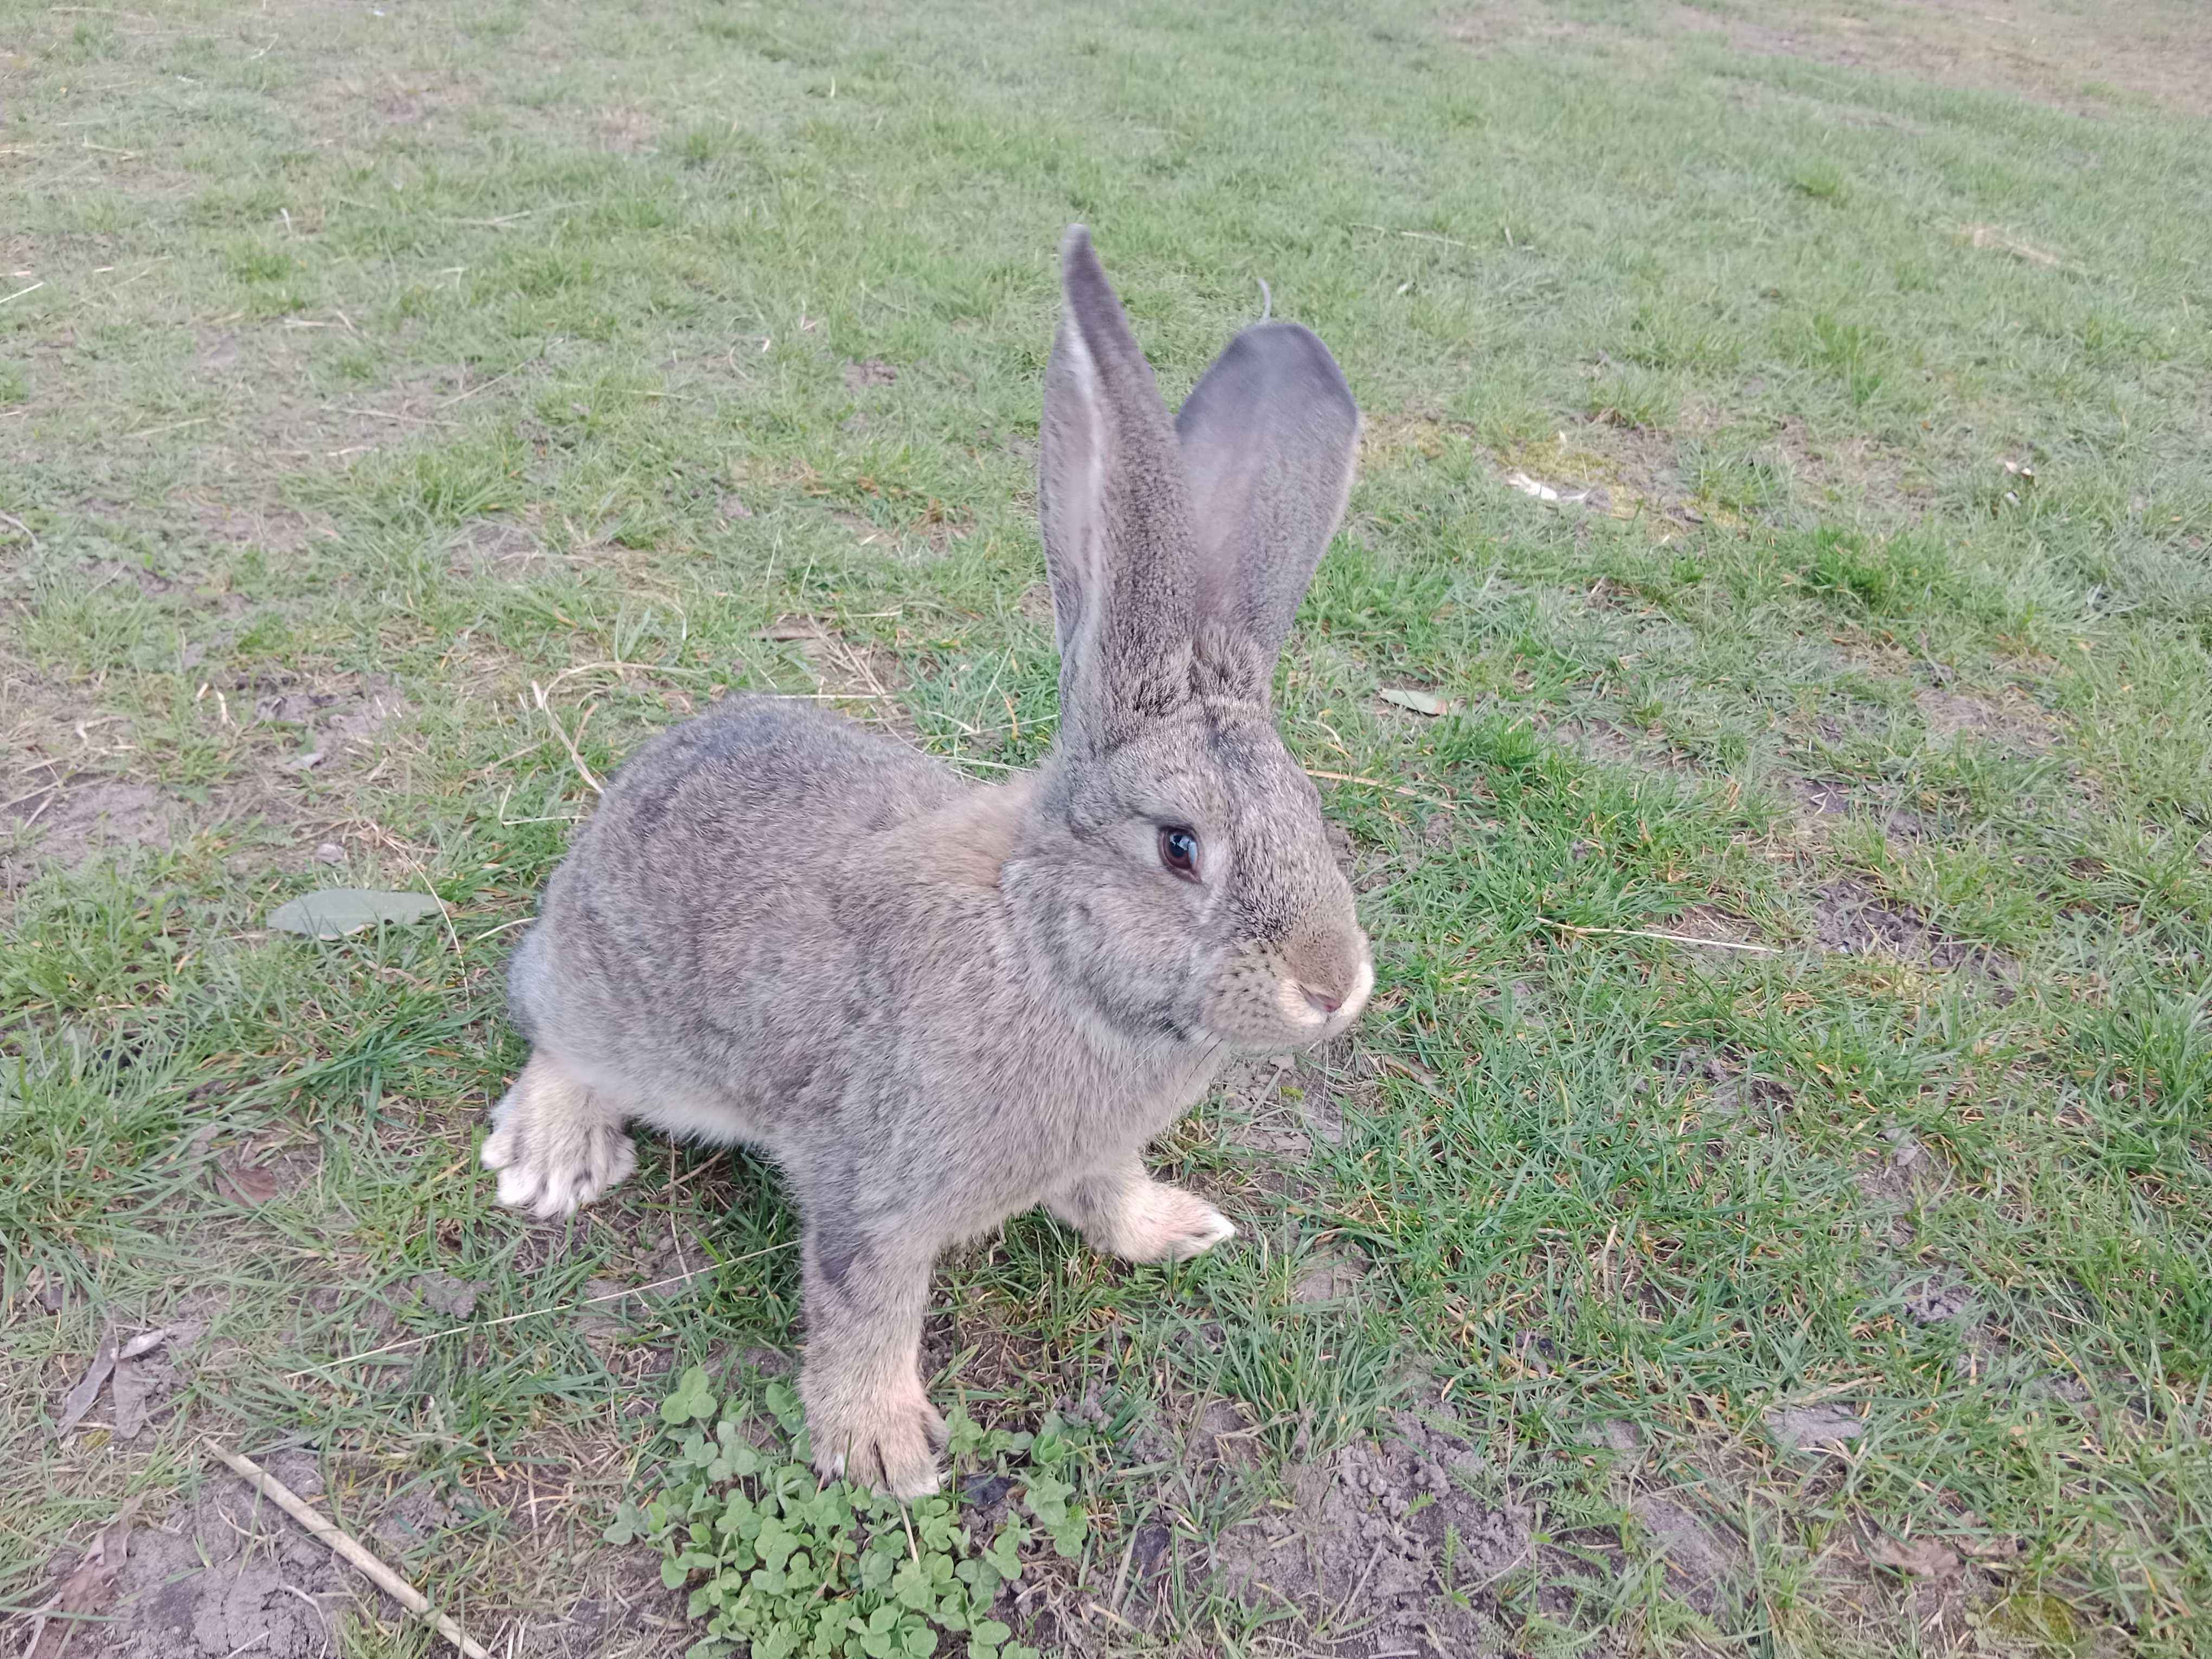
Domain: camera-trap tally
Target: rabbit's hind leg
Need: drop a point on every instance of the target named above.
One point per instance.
(1124, 1211)
(555, 1144)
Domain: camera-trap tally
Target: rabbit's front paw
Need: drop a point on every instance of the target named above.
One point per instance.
(553, 1147)
(1155, 1222)
(889, 1443)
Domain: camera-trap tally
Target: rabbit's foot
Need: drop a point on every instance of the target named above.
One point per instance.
(1128, 1214)
(887, 1441)
(553, 1146)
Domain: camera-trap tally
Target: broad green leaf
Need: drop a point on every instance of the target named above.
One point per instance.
(335, 912)
(692, 1400)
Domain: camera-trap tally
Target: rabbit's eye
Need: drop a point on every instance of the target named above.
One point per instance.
(1179, 851)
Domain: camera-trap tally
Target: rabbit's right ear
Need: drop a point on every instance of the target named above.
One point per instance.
(1269, 436)
(1115, 514)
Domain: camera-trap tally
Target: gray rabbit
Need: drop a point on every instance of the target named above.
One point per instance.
(937, 1003)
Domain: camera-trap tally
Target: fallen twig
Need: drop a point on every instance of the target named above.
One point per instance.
(343, 1544)
(1672, 938)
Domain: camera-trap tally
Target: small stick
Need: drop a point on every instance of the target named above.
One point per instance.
(344, 1545)
(1672, 938)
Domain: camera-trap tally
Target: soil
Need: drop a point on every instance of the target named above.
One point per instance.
(874, 371)
(1851, 917)
(227, 1573)
(76, 819)
(497, 547)
(1948, 716)
(1394, 1527)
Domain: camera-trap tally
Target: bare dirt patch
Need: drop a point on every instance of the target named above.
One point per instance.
(2014, 723)
(226, 1573)
(1596, 735)
(1829, 800)
(2068, 56)
(1489, 27)
(1383, 1546)
(1851, 917)
(73, 819)
(1282, 1105)
(872, 372)
(497, 547)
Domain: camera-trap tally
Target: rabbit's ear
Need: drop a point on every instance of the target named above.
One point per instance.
(1115, 516)
(1269, 440)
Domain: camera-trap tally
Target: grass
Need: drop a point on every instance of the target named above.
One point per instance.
(372, 367)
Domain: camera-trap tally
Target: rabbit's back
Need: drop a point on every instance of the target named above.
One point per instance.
(696, 911)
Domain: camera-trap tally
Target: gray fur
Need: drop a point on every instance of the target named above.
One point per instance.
(936, 1003)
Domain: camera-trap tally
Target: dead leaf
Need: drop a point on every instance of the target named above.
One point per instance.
(799, 629)
(245, 1183)
(1413, 698)
(1528, 486)
(78, 1401)
(1328, 1277)
(131, 1388)
(88, 1590)
(454, 1297)
(134, 1382)
(1918, 1557)
(194, 1146)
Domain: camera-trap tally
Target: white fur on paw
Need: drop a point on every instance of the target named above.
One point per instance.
(888, 1444)
(1160, 1223)
(551, 1162)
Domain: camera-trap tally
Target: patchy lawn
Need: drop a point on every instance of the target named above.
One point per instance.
(1769, 1205)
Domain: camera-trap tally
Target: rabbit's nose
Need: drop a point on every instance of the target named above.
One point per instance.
(1340, 985)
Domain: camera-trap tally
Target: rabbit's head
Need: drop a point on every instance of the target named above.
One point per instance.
(1190, 889)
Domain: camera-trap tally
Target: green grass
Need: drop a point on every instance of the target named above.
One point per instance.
(383, 365)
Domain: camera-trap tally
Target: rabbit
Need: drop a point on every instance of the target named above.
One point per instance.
(936, 1003)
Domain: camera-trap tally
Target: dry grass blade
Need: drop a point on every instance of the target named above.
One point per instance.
(1378, 783)
(1672, 938)
(561, 732)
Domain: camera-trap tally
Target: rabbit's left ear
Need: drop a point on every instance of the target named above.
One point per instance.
(1269, 440)
(1117, 520)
